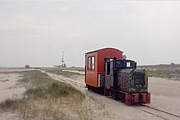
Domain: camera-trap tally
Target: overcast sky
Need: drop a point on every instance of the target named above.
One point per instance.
(36, 33)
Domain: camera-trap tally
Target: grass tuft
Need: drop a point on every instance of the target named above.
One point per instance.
(8, 103)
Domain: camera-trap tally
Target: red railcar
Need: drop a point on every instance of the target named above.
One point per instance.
(106, 72)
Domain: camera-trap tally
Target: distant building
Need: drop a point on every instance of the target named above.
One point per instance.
(27, 66)
(60, 66)
(56, 66)
(73, 66)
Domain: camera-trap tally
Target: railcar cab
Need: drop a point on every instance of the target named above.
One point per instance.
(119, 64)
(112, 66)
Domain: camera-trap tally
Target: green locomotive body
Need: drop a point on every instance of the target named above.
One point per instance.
(132, 81)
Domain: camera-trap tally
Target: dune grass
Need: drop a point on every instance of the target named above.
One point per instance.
(63, 73)
(171, 71)
(76, 68)
(45, 98)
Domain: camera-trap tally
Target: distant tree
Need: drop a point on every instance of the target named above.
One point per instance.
(172, 64)
(27, 66)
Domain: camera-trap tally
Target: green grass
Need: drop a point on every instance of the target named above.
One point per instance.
(63, 73)
(45, 98)
(163, 71)
(76, 68)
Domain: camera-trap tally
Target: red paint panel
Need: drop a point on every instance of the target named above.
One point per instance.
(107, 53)
(91, 76)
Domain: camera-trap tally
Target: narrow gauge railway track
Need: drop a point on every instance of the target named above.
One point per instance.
(162, 111)
(157, 112)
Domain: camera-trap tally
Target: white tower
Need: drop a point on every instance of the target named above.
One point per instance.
(62, 60)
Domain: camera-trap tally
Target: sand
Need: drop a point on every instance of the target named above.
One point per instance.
(8, 88)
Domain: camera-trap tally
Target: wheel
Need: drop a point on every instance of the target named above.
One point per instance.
(140, 99)
(102, 92)
(105, 94)
(114, 95)
(122, 98)
(89, 88)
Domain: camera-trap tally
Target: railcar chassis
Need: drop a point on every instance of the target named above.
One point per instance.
(128, 98)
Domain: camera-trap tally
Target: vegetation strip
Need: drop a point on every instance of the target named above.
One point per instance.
(45, 98)
(171, 71)
(63, 73)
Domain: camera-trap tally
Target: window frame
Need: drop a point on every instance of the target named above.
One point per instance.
(91, 63)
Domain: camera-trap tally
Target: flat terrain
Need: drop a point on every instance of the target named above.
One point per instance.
(169, 71)
(165, 99)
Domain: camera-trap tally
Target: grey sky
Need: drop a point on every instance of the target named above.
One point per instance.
(36, 33)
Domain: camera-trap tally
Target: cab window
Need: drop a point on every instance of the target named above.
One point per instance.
(91, 63)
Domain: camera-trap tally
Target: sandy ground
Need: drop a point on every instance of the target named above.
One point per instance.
(9, 90)
(165, 100)
(165, 94)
